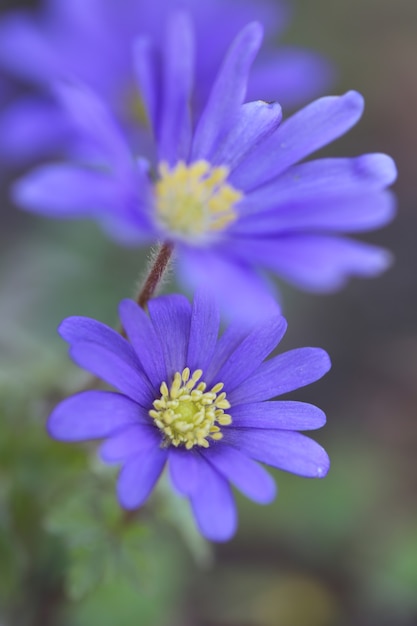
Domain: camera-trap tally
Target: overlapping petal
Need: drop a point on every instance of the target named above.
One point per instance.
(171, 318)
(282, 374)
(249, 477)
(204, 330)
(114, 369)
(134, 440)
(213, 505)
(227, 94)
(138, 477)
(241, 292)
(326, 119)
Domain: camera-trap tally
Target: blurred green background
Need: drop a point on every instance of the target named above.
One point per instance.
(337, 552)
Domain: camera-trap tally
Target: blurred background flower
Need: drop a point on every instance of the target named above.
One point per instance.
(90, 41)
(340, 551)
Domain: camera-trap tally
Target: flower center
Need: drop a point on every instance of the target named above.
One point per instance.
(187, 414)
(194, 199)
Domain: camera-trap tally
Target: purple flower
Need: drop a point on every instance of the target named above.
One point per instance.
(233, 194)
(195, 402)
(91, 41)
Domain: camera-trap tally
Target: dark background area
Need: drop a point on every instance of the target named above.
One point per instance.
(337, 552)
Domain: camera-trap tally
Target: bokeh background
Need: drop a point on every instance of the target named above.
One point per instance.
(336, 552)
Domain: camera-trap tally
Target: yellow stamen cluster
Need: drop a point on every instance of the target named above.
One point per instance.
(187, 414)
(194, 200)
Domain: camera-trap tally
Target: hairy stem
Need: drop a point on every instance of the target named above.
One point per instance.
(157, 272)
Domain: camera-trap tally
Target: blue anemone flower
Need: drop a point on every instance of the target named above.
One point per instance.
(91, 41)
(232, 193)
(196, 402)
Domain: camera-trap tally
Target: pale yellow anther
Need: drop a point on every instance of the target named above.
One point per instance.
(189, 415)
(195, 200)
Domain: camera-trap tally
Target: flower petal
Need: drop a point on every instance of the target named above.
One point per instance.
(134, 440)
(204, 330)
(184, 470)
(92, 415)
(233, 335)
(77, 329)
(228, 92)
(255, 121)
(249, 477)
(213, 506)
(240, 292)
(174, 132)
(144, 340)
(282, 374)
(138, 477)
(93, 120)
(171, 317)
(310, 129)
(66, 191)
(147, 71)
(31, 128)
(316, 262)
(326, 178)
(113, 368)
(282, 415)
(251, 352)
(285, 450)
(347, 214)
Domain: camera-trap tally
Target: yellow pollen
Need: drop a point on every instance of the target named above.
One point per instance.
(187, 414)
(195, 200)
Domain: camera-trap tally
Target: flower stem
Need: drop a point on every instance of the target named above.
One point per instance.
(155, 275)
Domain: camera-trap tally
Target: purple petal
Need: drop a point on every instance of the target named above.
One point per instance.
(233, 335)
(316, 262)
(114, 369)
(175, 124)
(326, 178)
(144, 339)
(348, 213)
(228, 92)
(30, 128)
(171, 317)
(285, 450)
(138, 477)
(310, 129)
(185, 470)
(251, 352)
(91, 117)
(213, 506)
(92, 415)
(147, 70)
(240, 292)
(66, 191)
(249, 477)
(281, 374)
(255, 122)
(204, 330)
(78, 329)
(134, 440)
(279, 415)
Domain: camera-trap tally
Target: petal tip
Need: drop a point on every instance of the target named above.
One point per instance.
(355, 99)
